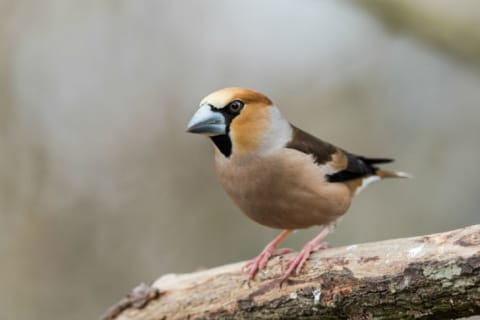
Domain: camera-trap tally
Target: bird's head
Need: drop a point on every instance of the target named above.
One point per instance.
(230, 109)
(240, 122)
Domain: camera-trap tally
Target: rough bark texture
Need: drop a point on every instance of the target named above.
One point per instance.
(427, 277)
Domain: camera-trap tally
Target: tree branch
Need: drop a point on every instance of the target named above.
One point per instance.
(428, 277)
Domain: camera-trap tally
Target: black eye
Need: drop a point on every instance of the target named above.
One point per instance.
(235, 106)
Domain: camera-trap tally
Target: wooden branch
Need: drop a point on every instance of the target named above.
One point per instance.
(428, 277)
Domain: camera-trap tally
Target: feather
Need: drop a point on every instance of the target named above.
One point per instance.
(343, 165)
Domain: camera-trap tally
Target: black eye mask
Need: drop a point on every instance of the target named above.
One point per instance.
(229, 112)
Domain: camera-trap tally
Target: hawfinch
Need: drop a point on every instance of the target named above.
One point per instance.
(277, 174)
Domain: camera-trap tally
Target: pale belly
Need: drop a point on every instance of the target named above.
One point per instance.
(284, 190)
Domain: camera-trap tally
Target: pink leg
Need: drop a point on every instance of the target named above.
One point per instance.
(269, 251)
(314, 244)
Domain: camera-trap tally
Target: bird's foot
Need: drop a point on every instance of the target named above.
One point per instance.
(296, 264)
(260, 262)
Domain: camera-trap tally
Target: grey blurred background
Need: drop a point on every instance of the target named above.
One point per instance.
(101, 188)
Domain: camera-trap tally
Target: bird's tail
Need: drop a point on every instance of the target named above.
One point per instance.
(379, 175)
(392, 174)
(373, 162)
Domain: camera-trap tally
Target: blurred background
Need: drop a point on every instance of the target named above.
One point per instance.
(101, 188)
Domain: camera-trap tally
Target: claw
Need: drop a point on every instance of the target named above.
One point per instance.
(320, 246)
(270, 250)
(299, 261)
(260, 262)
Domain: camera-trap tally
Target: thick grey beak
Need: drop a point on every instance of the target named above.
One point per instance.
(207, 122)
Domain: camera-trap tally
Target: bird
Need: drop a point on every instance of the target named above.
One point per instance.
(279, 175)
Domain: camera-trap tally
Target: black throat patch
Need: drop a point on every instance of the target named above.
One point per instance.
(223, 143)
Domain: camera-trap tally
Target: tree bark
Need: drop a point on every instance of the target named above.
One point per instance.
(427, 277)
